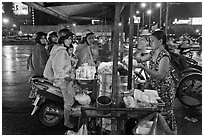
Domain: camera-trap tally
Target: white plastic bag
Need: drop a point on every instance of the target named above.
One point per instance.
(83, 130)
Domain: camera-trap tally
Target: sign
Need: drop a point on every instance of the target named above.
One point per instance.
(190, 21)
(136, 19)
(196, 21)
(20, 9)
(176, 21)
(3, 8)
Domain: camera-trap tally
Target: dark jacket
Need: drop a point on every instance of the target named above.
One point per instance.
(38, 60)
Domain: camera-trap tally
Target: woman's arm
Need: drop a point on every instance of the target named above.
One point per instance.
(144, 58)
(163, 69)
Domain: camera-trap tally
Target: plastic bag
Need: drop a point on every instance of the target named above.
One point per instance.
(159, 126)
(83, 130)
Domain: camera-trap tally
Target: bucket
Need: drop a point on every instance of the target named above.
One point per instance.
(104, 102)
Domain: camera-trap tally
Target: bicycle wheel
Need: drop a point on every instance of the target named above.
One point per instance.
(189, 90)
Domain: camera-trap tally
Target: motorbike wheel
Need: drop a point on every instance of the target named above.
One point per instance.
(48, 119)
(189, 90)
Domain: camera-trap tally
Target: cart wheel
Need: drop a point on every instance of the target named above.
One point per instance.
(189, 90)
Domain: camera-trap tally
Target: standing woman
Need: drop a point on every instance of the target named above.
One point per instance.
(60, 71)
(87, 52)
(159, 71)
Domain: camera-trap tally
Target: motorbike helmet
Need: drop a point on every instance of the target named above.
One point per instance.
(51, 34)
(86, 33)
(61, 39)
(69, 34)
(39, 35)
(63, 32)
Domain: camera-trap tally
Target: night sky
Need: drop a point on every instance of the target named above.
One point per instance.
(185, 10)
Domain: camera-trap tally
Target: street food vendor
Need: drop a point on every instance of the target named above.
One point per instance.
(87, 52)
(159, 71)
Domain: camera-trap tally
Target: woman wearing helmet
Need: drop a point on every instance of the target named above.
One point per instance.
(59, 70)
(52, 38)
(87, 52)
(39, 55)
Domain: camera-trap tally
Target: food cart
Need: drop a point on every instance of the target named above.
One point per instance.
(113, 109)
(111, 106)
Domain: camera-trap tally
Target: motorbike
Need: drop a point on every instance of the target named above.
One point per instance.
(48, 100)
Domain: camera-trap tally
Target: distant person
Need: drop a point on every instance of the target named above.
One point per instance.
(88, 51)
(39, 55)
(52, 38)
(143, 43)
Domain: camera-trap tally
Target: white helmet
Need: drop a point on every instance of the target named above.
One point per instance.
(50, 34)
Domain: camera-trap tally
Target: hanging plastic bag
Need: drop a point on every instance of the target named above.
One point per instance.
(163, 126)
(143, 127)
(83, 130)
(156, 127)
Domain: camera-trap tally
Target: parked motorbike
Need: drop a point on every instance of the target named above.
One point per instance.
(48, 100)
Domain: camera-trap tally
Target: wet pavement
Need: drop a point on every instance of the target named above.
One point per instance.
(16, 106)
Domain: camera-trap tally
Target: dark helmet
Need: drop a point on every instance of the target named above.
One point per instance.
(39, 35)
(84, 35)
(51, 34)
(61, 39)
(69, 34)
(63, 32)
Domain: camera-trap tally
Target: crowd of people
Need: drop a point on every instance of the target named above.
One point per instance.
(54, 58)
(57, 61)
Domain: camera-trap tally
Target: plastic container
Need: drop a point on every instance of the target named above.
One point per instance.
(104, 102)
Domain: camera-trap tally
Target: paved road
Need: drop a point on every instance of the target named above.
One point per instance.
(16, 106)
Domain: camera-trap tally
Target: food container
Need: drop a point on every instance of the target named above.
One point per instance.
(104, 102)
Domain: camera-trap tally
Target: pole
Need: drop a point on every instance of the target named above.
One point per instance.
(150, 16)
(121, 40)
(115, 64)
(160, 16)
(143, 19)
(131, 31)
(167, 15)
(115, 52)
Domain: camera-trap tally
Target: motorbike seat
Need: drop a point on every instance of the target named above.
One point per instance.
(46, 83)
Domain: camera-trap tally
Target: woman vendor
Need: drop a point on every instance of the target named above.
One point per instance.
(159, 71)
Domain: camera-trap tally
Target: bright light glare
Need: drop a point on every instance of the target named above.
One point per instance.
(149, 12)
(143, 5)
(5, 20)
(137, 12)
(158, 5)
